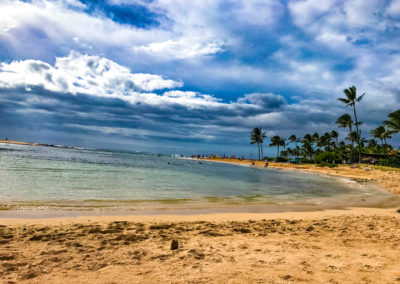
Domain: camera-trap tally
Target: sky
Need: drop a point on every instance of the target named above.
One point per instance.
(183, 77)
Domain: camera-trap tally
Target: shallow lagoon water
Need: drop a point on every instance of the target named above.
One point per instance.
(56, 177)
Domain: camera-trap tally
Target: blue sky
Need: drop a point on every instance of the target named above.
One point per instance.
(192, 76)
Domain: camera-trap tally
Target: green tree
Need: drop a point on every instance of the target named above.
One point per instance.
(277, 141)
(335, 135)
(350, 100)
(382, 134)
(394, 121)
(345, 121)
(307, 149)
(315, 138)
(293, 139)
(257, 137)
(378, 133)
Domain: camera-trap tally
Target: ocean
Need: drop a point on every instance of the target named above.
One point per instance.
(79, 179)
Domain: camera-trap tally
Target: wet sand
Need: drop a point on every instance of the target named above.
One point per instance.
(386, 177)
(342, 246)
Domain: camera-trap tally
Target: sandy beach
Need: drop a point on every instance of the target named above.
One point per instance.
(345, 246)
(386, 177)
(354, 245)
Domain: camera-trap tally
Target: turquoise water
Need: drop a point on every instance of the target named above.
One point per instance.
(43, 176)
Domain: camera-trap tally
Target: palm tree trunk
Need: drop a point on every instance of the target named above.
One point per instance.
(262, 152)
(277, 154)
(385, 150)
(258, 144)
(352, 145)
(358, 134)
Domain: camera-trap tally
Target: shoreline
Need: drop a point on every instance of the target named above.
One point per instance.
(360, 178)
(209, 217)
(386, 177)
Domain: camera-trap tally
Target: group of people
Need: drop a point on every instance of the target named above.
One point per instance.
(253, 164)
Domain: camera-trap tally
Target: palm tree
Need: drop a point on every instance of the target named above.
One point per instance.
(345, 121)
(350, 101)
(335, 135)
(295, 140)
(257, 137)
(315, 139)
(277, 141)
(325, 141)
(352, 136)
(382, 134)
(378, 133)
(394, 121)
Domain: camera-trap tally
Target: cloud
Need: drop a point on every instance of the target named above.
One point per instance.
(98, 76)
(267, 101)
(181, 49)
(277, 64)
(78, 73)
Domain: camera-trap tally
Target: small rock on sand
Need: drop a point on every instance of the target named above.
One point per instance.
(174, 245)
(398, 210)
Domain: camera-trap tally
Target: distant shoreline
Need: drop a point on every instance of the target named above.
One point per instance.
(31, 143)
(386, 177)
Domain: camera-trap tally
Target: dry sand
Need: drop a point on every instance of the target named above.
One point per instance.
(386, 177)
(17, 142)
(347, 246)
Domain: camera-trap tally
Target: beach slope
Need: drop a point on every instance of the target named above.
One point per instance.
(353, 246)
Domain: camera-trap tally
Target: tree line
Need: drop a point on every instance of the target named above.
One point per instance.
(327, 148)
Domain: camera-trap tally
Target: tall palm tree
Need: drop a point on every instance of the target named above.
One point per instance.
(335, 135)
(345, 121)
(394, 121)
(350, 100)
(378, 133)
(263, 135)
(295, 140)
(277, 141)
(325, 141)
(307, 149)
(257, 137)
(352, 136)
(382, 134)
(315, 139)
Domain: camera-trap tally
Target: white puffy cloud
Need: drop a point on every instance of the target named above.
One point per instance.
(98, 76)
(181, 49)
(78, 73)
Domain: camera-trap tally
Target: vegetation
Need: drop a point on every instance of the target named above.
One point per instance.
(350, 100)
(328, 150)
(277, 141)
(257, 137)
